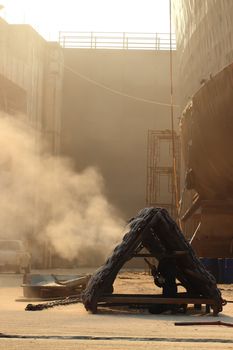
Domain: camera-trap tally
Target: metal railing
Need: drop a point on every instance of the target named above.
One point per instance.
(128, 41)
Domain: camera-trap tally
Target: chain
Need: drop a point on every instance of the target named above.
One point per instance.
(43, 306)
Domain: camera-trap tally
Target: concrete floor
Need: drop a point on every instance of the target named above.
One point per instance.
(71, 327)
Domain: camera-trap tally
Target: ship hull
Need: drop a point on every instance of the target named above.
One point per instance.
(207, 137)
(204, 35)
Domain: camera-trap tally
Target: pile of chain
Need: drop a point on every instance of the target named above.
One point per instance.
(50, 304)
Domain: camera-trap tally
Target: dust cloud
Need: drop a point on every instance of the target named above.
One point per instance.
(45, 201)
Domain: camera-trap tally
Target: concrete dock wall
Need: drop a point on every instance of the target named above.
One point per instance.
(31, 73)
(109, 130)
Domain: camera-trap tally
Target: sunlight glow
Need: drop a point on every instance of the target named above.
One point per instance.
(51, 16)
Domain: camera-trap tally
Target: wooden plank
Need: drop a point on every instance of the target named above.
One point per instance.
(191, 210)
(175, 253)
(146, 255)
(179, 295)
(151, 300)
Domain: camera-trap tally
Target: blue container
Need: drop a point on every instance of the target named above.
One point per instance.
(211, 265)
(221, 270)
(228, 270)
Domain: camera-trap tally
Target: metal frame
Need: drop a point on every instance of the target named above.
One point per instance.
(155, 171)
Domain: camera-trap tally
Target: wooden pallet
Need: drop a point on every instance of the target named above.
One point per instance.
(147, 300)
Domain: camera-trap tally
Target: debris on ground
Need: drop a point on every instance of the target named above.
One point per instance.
(52, 286)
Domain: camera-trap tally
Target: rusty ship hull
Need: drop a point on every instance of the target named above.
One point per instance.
(207, 137)
(204, 33)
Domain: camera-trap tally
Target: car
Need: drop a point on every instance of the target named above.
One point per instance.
(14, 256)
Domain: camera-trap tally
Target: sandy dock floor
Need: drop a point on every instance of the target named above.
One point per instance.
(71, 327)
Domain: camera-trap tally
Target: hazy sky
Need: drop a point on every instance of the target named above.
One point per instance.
(50, 16)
